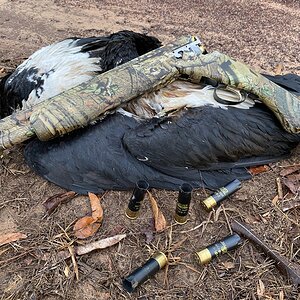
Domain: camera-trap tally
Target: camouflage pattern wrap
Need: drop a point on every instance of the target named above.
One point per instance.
(224, 69)
(83, 104)
(86, 102)
(15, 129)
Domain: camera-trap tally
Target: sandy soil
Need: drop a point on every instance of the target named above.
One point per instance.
(261, 33)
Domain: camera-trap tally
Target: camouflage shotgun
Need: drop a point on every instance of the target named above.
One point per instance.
(88, 101)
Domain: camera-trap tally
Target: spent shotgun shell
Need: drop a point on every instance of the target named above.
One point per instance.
(140, 275)
(221, 194)
(136, 199)
(228, 243)
(183, 203)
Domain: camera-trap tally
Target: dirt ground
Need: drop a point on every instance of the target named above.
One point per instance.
(262, 33)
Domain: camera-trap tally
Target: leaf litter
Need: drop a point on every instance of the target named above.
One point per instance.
(89, 225)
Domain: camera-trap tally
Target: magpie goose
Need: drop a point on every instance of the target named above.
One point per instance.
(63, 65)
(178, 134)
(175, 135)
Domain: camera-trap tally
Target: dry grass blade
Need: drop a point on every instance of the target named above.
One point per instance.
(159, 219)
(290, 205)
(260, 289)
(275, 200)
(11, 237)
(54, 201)
(177, 245)
(74, 262)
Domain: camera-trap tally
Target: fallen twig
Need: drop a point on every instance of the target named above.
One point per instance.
(279, 188)
(283, 264)
(290, 205)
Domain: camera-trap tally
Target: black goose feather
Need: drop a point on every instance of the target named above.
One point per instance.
(206, 146)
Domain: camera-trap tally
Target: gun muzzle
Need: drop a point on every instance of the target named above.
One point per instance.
(140, 275)
(136, 199)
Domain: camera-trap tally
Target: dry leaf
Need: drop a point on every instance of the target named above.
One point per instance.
(11, 237)
(52, 202)
(85, 227)
(260, 289)
(159, 219)
(97, 211)
(294, 177)
(292, 185)
(228, 265)
(290, 170)
(259, 169)
(101, 244)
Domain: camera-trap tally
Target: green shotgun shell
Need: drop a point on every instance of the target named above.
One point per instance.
(221, 194)
(136, 199)
(140, 275)
(183, 203)
(228, 243)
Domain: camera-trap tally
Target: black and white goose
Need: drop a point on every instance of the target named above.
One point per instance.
(178, 134)
(63, 65)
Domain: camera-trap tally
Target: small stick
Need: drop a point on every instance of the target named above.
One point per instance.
(279, 188)
(284, 265)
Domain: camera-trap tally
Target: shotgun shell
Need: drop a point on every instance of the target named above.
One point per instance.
(136, 199)
(228, 243)
(221, 194)
(140, 275)
(183, 203)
